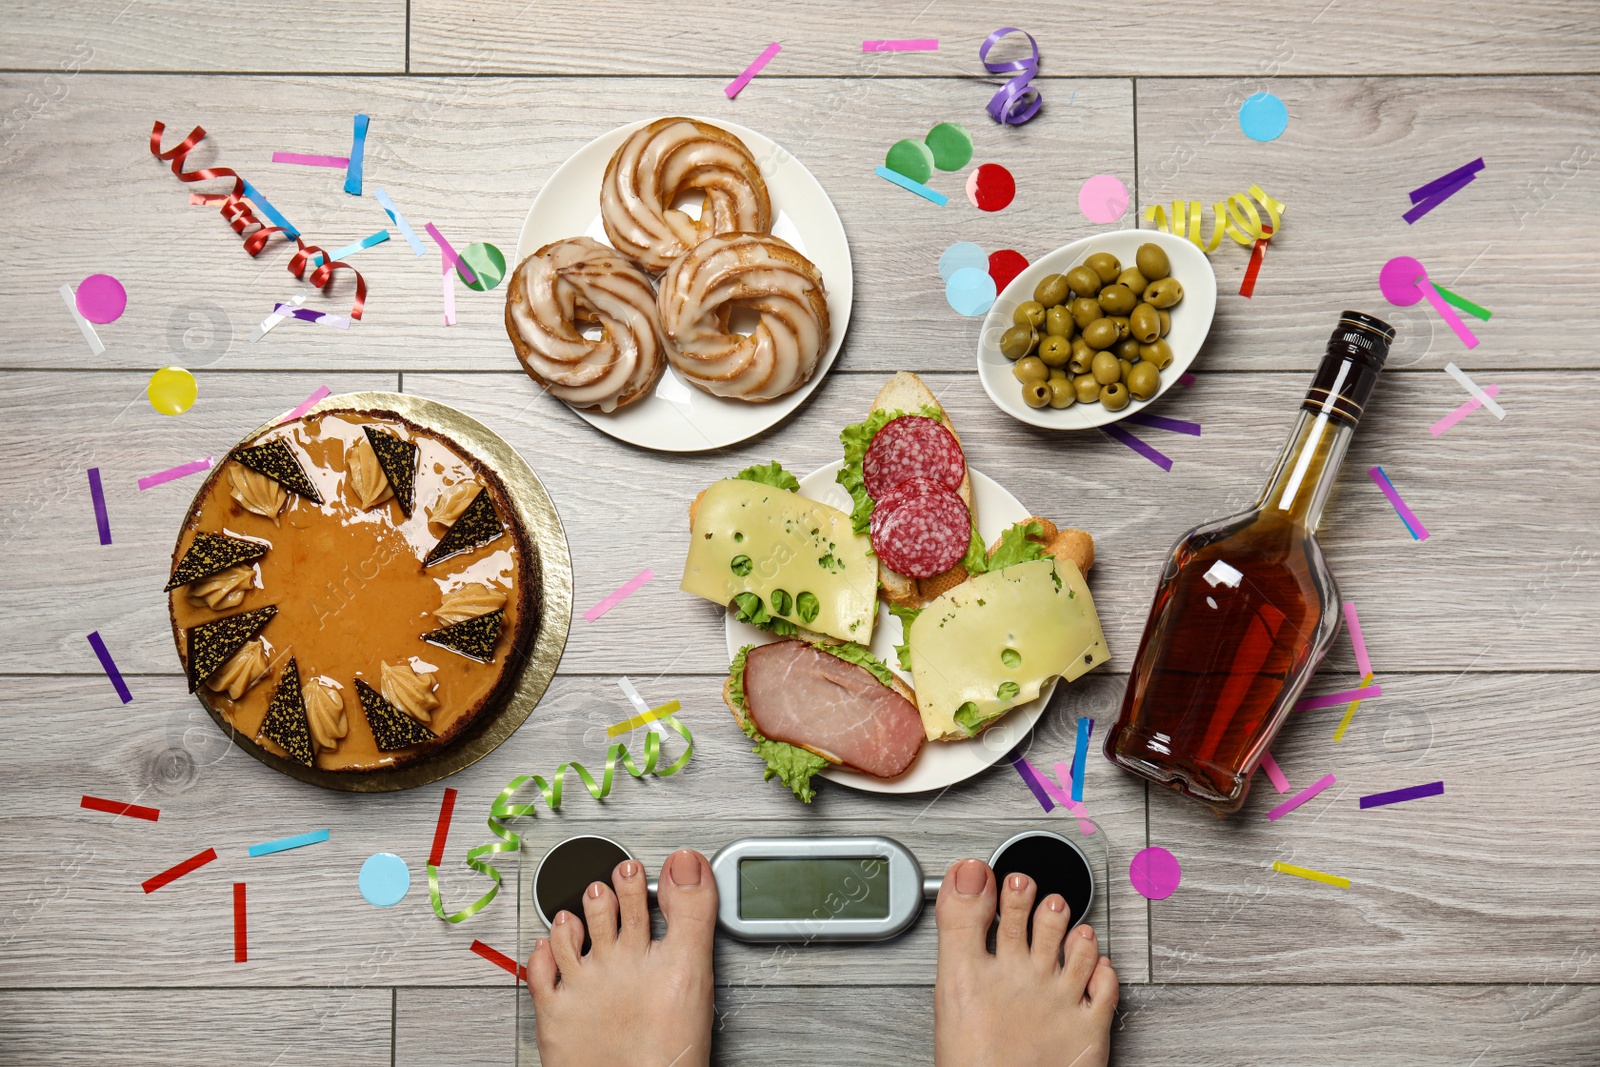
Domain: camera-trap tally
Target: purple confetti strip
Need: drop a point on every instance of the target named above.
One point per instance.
(98, 495)
(1161, 422)
(1395, 796)
(1434, 201)
(1451, 181)
(1147, 451)
(115, 675)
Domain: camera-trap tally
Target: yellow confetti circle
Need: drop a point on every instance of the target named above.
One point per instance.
(172, 390)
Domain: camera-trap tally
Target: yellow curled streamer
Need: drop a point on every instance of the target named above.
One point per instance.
(1236, 216)
(502, 808)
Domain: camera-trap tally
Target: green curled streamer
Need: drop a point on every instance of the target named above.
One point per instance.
(551, 791)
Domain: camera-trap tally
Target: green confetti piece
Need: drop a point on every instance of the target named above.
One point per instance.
(912, 159)
(951, 145)
(487, 262)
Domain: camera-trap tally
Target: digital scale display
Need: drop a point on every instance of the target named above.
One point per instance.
(820, 888)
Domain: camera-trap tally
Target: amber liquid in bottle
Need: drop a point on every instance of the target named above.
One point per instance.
(1247, 606)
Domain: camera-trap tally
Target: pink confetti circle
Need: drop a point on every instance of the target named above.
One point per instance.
(1155, 873)
(101, 298)
(1103, 199)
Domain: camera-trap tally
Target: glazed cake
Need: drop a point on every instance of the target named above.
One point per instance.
(352, 591)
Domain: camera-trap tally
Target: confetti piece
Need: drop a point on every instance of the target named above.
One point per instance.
(916, 187)
(1274, 773)
(634, 698)
(1063, 796)
(277, 316)
(399, 221)
(1247, 284)
(1397, 796)
(1005, 265)
(642, 719)
(1350, 712)
(628, 588)
(1155, 873)
(207, 199)
(172, 874)
(1315, 876)
(351, 249)
(1462, 412)
(910, 159)
(1032, 779)
(1446, 181)
(1463, 303)
(101, 298)
(450, 253)
(308, 315)
(1186, 380)
(97, 496)
(1413, 524)
(1404, 280)
(1472, 387)
(487, 262)
(922, 44)
(499, 959)
(991, 188)
(106, 664)
(441, 829)
(1103, 199)
(1301, 797)
(970, 291)
(449, 294)
(1018, 100)
(172, 390)
(172, 474)
(89, 335)
(384, 879)
(1428, 204)
(1147, 451)
(264, 206)
(1080, 755)
(734, 87)
(305, 405)
(1333, 699)
(962, 254)
(339, 162)
(358, 149)
(113, 807)
(1263, 117)
(241, 953)
(1235, 217)
(284, 844)
(951, 145)
(1161, 422)
(1358, 644)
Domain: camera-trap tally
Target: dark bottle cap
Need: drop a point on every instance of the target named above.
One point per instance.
(1356, 353)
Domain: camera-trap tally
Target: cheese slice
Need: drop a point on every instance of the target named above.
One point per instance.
(994, 641)
(800, 557)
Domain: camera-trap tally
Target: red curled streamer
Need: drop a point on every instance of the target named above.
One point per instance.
(239, 216)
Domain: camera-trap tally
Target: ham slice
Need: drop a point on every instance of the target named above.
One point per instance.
(803, 696)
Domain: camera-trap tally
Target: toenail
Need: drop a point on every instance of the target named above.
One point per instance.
(630, 869)
(1086, 931)
(970, 878)
(1017, 882)
(1055, 903)
(595, 890)
(685, 869)
(561, 917)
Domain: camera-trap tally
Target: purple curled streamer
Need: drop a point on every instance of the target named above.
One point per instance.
(1017, 101)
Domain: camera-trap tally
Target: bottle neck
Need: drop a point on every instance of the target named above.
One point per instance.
(1307, 468)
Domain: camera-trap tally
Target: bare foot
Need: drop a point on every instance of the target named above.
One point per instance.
(630, 999)
(1022, 1006)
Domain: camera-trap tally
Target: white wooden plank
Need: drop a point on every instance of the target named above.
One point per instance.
(441, 1026)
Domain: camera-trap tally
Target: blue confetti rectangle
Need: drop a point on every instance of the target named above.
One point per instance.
(264, 206)
(283, 844)
(358, 149)
(916, 187)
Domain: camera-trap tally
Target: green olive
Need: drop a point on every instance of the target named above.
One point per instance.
(1106, 369)
(1128, 349)
(1063, 394)
(1030, 369)
(1029, 313)
(1117, 300)
(1059, 374)
(1159, 354)
(1127, 368)
(1035, 394)
(1087, 388)
(1018, 341)
(1058, 322)
(1052, 290)
(1104, 264)
(1133, 279)
(1084, 281)
(1143, 381)
(1121, 323)
(1084, 310)
(1152, 261)
(1055, 351)
(1166, 322)
(1145, 323)
(1082, 357)
(1163, 293)
(1114, 396)
(1099, 334)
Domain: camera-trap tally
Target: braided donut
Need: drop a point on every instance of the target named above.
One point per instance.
(760, 272)
(664, 159)
(561, 288)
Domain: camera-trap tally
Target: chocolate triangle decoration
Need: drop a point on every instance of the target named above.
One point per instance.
(391, 727)
(399, 462)
(473, 638)
(286, 721)
(210, 553)
(276, 461)
(478, 525)
(211, 644)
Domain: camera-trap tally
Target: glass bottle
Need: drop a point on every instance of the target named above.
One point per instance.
(1247, 606)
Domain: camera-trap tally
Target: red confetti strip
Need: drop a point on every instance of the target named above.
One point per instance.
(501, 960)
(241, 952)
(1005, 265)
(442, 831)
(1247, 287)
(113, 807)
(172, 874)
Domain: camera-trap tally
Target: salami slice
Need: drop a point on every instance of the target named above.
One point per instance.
(920, 528)
(912, 446)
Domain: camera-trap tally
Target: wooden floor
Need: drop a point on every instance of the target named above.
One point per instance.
(1471, 931)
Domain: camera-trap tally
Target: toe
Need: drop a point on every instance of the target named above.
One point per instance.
(600, 913)
(1083, 953)
(633, 900)
(1016, 900)
(1104, 992)
(688, 899)
(965, 909)
(566, 942)
(541, 972)
(1049, 927)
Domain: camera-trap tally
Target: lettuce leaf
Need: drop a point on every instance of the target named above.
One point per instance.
(1017, 545)
(748, 607)
(972, 720)
(791, 764)
(771, 474)
(856, 439)
(907, 616)
(851, 652)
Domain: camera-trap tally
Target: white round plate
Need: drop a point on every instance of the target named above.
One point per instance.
(1191, 321)
(942, 763)
(677, 417)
